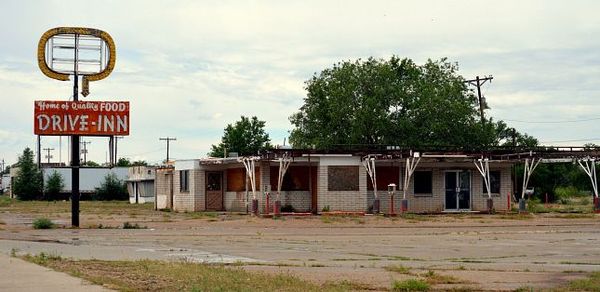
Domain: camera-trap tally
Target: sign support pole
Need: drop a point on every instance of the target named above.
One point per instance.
(75, 155)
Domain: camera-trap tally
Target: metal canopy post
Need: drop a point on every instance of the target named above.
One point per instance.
(529, 168)
(483, 166)
(249, 165)
(369, 164)
(284, 163)
(589, 166)
(411, 165)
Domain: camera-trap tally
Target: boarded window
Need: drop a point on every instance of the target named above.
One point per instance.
(236, 180)
(422, 182)
(494, 182)
(385, 175)
(295, 178)
(342, 178)
(184, 180)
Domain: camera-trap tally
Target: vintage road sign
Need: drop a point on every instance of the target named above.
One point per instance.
(85, 118)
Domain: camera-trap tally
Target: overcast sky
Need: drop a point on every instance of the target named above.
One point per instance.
(191, 67)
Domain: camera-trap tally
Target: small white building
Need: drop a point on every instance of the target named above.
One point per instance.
(89, 177)
(140, 184)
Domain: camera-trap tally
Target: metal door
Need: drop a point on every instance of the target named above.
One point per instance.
(458, 190)
(214, 191)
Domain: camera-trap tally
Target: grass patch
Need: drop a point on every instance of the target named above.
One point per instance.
(592, 283)
(434, 278)
(400, 269)
(6, 201)
(43, 223)
(147, 275)
(410, 285)
(202, 215)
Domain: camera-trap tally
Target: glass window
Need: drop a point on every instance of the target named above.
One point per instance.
(184, 179)
(422, 182)
(494, 182)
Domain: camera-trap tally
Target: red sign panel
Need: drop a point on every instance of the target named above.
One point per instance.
(86, 118)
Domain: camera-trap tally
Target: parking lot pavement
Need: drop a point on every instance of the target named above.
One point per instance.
(19, 275)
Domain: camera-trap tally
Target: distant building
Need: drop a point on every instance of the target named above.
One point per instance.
(163, 185)
(140, 184)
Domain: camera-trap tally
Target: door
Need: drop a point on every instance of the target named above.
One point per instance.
(458, 190)
(214, 191)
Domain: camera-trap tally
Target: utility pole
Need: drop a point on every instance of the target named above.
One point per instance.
(2, 166)
(48, 155)
(168, 139)
(478, 82)
(84, 150)
(116, 147)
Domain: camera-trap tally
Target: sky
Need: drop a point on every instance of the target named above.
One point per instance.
(189, 68)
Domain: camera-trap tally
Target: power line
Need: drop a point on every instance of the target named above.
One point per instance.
(554, 122)
(478, 82)
(48, 155)
(168, 139)
(572, 140)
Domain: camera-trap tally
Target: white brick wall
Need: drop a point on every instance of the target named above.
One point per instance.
(342, 200)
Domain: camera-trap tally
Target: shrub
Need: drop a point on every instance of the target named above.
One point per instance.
(128, 225)
(287, 208)
(43, 223)
(112, 188)
(54, 186)
(410, 285)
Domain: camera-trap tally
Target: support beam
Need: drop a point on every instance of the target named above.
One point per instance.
(589, 166)
(284, 163)
(483, 165)
(411, 165)
(369, 164)
(528, 170)
(250, 166)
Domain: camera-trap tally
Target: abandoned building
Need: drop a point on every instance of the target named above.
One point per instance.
(140, 184)
(315, 182)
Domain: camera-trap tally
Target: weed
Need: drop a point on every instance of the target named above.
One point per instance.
(410, 285)
(43, 223)
(42, 258)
(398, 269)
(435, 278)
(592, 283)
(325, 209)
(128, 225)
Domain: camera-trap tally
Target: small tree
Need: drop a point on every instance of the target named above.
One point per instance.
(246, 137)
(54, 186)
(123, 162)
(28, 182)
(91, 163)
(112, 188)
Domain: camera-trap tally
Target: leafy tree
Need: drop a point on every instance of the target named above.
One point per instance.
(391, 102)
(28, 182)
(54, 185)
(91, 163)
(6, 170)
(123, 162)
(139, 163)
(112, 188)
(246, 137)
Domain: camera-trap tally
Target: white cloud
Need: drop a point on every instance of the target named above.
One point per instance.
(191, 67)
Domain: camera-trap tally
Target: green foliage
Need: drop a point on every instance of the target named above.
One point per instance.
(28, 182)
(555, 179)
(123, 162)
(592, 283)
(410, 285)
(43, 223)
(54, 185)
(246, 137)
(112, 188)
(392, 102)
(91, 163)
(128, 225)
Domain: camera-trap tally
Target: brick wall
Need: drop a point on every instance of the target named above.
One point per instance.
(163, 184)
(193, 199)
(341, 200)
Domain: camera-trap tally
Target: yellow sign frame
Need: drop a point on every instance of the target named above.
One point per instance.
(41, 54)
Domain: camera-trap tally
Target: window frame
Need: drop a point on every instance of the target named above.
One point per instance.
(184, 181)
(497, 184)
(429, 188)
